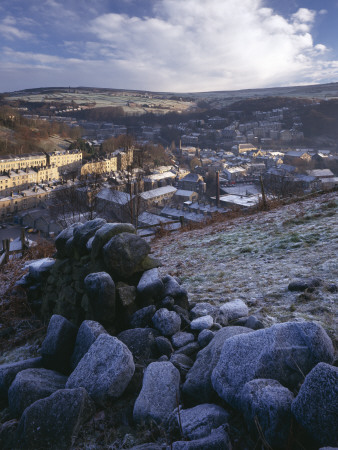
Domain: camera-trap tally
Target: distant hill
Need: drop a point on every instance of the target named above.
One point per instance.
(318, 91)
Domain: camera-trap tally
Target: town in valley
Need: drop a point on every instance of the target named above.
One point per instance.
(159, 160)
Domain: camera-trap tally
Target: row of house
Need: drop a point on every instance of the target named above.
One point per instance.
(115, 161)
(57, 158)
(20, 179)
(26, 199)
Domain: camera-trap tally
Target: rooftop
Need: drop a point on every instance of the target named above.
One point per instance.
(153, 193)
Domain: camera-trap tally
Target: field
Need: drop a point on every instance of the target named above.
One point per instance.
(130, 101)
(138, 102)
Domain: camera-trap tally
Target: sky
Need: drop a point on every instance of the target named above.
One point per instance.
(167, 45)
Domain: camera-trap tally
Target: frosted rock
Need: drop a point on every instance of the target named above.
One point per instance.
(316, 404)
(166, 322)
(58, 345)
(198, 387)
(159, 394)
(150, 285)
(232, 310)
(54, 422)
(202, 309)
(100, 289)
(181, 339)
(202, 323)
(270, 403)
(31, 385)
(283, 352)
(199, 421)
(105, 370)
(86, 336)
(217, 440)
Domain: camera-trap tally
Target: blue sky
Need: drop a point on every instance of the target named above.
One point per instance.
(167, 45)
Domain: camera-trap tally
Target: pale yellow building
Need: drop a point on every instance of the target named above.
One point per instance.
(17, 180)
(66, 159)
(10, 162)
(29, 198)
(100, 166)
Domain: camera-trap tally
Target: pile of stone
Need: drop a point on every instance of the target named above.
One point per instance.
(188, 367)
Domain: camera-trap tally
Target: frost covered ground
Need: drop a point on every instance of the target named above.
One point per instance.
(255, 257)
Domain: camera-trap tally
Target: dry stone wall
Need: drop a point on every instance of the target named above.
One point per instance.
(118, 331)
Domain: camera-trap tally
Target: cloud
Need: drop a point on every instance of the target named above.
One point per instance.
(304, 15)
(224, 45)
(9, 31)
(189, 45)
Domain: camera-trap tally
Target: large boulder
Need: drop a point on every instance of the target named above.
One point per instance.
(197, 387)
(198, 422)
(62, 239)
(166, 322)
(82, 233)
(124, 253)
(55, 421)
(218, 439)
(9, 371)
(316, 404)
(105, 233)
(159, 395)
(100, 290)
(173, 289)
(283, 352)
(58, 345)
(268, 403)
(31, 385)
(150, 286)
(141, 342)
(86, 336)
(38, 270)
(105, 370)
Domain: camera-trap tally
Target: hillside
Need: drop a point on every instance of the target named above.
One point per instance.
(254, 258)
(141, 101)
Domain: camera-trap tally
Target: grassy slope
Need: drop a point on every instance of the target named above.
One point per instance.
(255, 257)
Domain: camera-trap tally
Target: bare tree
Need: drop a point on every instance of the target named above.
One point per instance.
(123, 206)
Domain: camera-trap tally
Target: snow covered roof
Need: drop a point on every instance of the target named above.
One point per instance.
(161, 176)
(320, 173)
(242, 189)
(177, 213)
(184, 193)
(110, 195)
(153, 193)
(152, 219)
(240, 201)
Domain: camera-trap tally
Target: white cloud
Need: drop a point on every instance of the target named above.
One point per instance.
(189, 45)
(304, 15)
(10, 32)
(224, 44)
